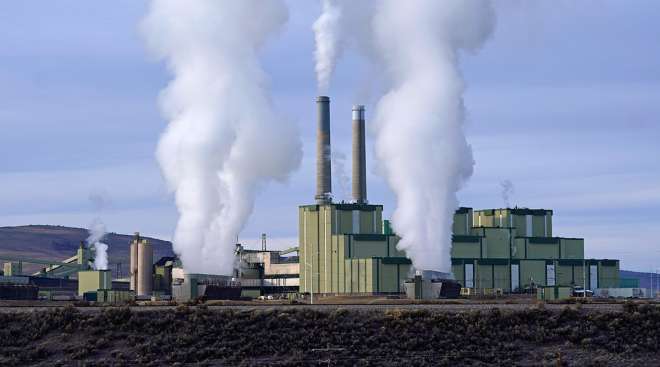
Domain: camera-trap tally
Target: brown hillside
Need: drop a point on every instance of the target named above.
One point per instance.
(59, 243)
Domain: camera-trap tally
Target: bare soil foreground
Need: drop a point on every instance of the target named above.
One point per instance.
(306, 336)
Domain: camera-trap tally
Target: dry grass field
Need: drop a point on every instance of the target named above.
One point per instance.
(301, 336)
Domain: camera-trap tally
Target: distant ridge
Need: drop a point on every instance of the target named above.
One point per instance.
(58, 243)
(646, 280)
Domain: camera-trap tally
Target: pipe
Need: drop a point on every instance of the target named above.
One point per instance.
(359, 156)
(323, 153)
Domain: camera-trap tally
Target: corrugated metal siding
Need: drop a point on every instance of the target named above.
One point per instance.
(502, 277)
(532, 271)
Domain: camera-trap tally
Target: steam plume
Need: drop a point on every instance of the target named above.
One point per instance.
(224, 139)
(96, 233)
(327, 30)
(342, 23)
(418, 125)
(507, 190)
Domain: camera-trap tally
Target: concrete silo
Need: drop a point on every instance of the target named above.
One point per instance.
(142, 256)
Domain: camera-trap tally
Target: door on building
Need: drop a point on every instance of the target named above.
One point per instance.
(469, 275)
(515, 277)
(550, 278)
(593, 277)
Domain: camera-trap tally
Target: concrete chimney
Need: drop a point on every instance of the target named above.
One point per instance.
(323, 152)
(359, 156)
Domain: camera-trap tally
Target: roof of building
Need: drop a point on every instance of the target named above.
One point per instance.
(347, 206)
(515, 211)
(163, 260)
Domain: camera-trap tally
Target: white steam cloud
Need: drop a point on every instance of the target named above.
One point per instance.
(96, 233)
(342, 23)
(224, 139)
(418, 126)
(327, 30)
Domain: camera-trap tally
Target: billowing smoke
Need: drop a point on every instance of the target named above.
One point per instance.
(224, 139)
(507, 191)
(329, 44)
(420, 141)
(97, 232)
(342, 23)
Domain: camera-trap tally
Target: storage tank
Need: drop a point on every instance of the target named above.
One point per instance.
(145, 262)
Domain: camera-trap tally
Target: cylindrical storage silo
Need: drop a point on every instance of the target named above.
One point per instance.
(133, 269)
(145, 269)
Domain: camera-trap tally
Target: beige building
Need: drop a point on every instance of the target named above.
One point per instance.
(343, 250)
(94, 280)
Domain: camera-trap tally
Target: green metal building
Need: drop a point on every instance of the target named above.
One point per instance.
(514, 249)
(343, 250)
(348, 248)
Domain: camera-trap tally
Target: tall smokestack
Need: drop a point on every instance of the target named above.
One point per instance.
(323, 152)
(359, 157)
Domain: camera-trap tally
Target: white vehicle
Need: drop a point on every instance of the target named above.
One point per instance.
(580, 292)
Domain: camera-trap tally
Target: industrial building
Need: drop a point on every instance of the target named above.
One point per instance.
(347, 248)
(515, 250)
(61, 269)
(61, 279)
(267, 272)
(343, 248)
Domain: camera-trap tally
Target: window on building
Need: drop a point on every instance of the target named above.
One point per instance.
(356, 221)
(515, 276)
(550, 275)
(528, 225)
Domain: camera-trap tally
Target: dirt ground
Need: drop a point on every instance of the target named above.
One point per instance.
(334, 335)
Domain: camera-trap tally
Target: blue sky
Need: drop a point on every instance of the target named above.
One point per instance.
(564, 102)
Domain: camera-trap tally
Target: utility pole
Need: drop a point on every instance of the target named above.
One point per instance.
(584, 278)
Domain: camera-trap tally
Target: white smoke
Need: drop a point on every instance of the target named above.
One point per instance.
(224, 139)
(327, 30)
(507, 191)
(342, 23)
(97, 232)
(418, 126)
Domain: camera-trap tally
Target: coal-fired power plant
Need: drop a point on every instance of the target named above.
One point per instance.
(323, 152)
(359, 156)
(348, 249)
